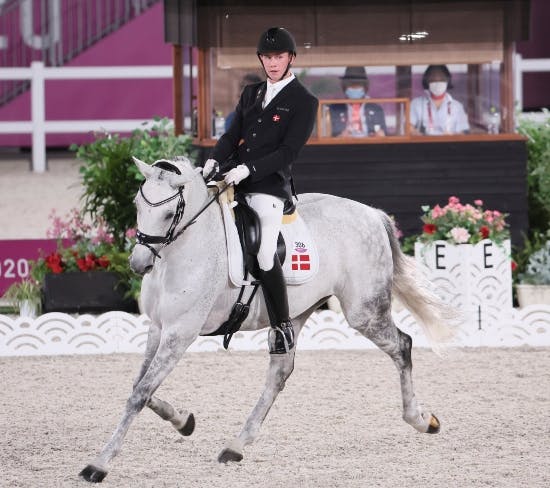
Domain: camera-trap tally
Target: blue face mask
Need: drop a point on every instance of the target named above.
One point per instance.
(355, 93)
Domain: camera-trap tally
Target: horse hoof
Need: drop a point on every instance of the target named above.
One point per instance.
(434, 426)
(189, 426)
(228, 455)
(92, 474)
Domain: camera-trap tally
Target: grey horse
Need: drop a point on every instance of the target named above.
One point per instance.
(186, 292)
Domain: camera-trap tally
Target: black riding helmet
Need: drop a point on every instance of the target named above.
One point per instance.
(276, 40)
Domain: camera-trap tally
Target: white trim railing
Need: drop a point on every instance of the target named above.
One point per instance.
(38, 126)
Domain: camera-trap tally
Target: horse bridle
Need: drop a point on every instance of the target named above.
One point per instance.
(148, 239)
(171, 235)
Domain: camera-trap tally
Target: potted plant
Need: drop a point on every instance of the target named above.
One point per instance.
(27, 296)
(534, 283)
(87, 272)
(464, 250)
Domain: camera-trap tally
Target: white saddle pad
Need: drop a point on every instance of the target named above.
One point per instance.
(302, 259)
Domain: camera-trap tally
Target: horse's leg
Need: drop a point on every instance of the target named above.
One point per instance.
(153, 341)
(280, 368)
(183, 421)
(373, 319)
(170, 350)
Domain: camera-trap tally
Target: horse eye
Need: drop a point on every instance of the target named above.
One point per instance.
(169, 216)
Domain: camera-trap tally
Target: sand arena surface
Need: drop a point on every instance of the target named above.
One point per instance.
(337, 423)
(28, 197)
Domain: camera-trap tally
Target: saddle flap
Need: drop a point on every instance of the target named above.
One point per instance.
(248, 227)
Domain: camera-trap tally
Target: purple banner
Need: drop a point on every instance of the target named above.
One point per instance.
(15, 255)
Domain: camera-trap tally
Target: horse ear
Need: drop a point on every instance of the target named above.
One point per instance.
(144, 168)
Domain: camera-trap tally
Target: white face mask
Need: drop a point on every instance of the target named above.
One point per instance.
(438, 88)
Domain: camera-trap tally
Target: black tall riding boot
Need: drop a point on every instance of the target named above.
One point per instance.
(281, 335)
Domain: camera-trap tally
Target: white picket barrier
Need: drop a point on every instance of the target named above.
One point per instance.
(120, 332)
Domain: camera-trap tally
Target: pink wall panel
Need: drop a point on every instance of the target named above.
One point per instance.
(140, 42)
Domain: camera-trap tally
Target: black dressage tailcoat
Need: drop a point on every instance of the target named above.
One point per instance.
(268, 140)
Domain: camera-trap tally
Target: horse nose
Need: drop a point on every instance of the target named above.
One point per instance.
(139, 266)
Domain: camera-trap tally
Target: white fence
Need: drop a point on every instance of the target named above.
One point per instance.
(38, 126)
(120, 332)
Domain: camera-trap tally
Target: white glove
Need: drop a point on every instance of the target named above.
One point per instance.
(236, 175)
(209, 166)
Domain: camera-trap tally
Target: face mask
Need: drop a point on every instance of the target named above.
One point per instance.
(438, 88)
(355, 93)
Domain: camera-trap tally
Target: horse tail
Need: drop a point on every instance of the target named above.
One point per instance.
(415, 293)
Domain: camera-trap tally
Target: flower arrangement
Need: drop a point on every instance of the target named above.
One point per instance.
(463, 223)
(80, 247)
(83, 247)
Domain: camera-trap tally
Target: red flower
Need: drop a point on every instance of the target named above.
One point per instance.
(514, 265)
(429, 228)
(103, 261)
(82, 264)
(91, 261)
(54, 263)
(484, 231)
(86, 263)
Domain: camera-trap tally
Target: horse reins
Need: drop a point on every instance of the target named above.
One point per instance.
(170, 236)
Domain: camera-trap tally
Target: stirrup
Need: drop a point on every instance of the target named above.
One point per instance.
(281, 338)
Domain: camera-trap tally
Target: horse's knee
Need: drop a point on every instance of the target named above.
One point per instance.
(136, 402)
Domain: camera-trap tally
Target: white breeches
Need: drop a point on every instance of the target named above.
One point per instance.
(270, 211)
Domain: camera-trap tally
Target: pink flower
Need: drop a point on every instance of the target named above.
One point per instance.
(131, 233)
(479, 203)
(454, 200)
(488, 216)
(460, 235)
(437, 212)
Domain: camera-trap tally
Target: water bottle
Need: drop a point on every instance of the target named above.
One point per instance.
(493, 127)
(219, 125)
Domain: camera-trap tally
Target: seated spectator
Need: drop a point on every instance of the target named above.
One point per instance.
(356, 119)
(436, 112)
(248, 79)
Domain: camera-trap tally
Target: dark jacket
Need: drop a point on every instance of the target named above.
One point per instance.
(374, 115)
(268, 141)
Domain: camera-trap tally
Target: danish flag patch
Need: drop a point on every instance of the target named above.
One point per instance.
(276, 118)
(300, 262)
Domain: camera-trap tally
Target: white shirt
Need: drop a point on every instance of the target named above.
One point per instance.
(274, 88)
(449, 118)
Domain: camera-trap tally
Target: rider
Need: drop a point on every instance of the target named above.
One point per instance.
(273, 121)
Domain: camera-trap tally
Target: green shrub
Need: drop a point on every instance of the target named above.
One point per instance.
(110, 178)
(538, 172)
